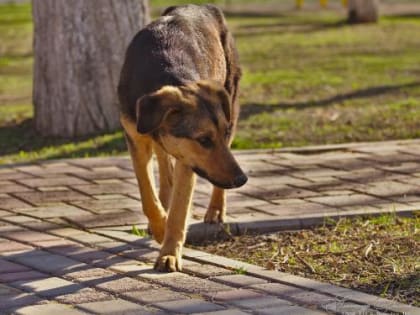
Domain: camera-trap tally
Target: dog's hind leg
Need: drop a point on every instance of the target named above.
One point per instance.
(170, 254)
(141, 150)
(216, 212)
(165, 175)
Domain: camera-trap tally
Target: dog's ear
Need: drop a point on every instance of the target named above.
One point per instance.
(152, 109)
(215, 88)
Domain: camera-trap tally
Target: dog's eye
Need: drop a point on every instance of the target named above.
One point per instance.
(205, 142)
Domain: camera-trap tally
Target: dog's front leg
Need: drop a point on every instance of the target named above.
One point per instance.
(165, 175)
(175, 233)
(216, 212)
(141, 150)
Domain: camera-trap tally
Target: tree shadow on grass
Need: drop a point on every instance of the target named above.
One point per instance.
(22, 137)
(258, 29)
(251, 109)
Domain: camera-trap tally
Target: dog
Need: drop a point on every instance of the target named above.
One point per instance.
(178, 98)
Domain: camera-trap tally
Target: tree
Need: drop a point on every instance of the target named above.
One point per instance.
(79, 48)
(363, 11)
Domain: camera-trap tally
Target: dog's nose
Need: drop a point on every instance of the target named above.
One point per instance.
(240, 180)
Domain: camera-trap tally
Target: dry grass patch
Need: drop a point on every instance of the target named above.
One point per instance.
(377, 255)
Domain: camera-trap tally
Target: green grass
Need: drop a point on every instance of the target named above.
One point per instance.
(372, 254)
(308, 79)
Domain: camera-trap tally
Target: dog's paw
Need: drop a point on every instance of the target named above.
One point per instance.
(214, 215)
(168, 263)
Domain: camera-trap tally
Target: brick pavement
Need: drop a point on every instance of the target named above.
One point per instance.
(64, 245)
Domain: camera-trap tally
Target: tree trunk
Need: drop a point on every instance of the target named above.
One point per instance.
(79, 47)
(363, 11)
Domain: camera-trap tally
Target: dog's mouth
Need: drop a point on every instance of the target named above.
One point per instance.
(237, 182)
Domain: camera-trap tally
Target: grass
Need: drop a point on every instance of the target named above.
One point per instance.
(308, 79)
(376, 255)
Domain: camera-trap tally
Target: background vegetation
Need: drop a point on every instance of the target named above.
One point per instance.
(308, 79)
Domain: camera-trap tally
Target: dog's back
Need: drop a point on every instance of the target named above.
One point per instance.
(185, 44)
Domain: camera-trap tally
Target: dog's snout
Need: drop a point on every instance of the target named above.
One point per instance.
(240, 180)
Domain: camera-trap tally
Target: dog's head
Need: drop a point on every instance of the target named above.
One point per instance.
(193, 123)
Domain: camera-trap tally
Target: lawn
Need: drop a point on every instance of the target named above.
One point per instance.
(308, 79)
(371, 254)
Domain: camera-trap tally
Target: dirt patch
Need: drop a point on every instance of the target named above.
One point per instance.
(376, 255)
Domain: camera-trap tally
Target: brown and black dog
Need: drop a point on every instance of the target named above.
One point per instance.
(177, 91)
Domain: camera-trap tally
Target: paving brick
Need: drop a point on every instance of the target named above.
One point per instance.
(58, 210)
(367, 175)
(119, 284)
(52, 244)
(20, 219)
(66, 232)
(53, 188)
(145, 255)
(123, 217)
(48, 262)
(309, 298)
(8, 290)
(48, 309)
(189, 306)
(277, 289)
(345, 201)
(129, 268)
(13, 188)
(84, 295)
(11, 301)
(28, 236)
(12, 246)
(114, 307)
(204, 270)
(90, 274)
(54, 181)
(256, 304)
(8, 174)
(347, 308)
(46, 197)
(66, 250)
(7, 267)
(390, 189)
(98, 189)
(287, 192)
(115, 246)
(11, 203)
(151, 296)
(105, 173)
(89, 238)
(4, 214)
(50, 287)
(108, 204)
(88, 255)
(111, 262)
(404, 167)
(296, 209)
(239, 280)
(233, 295)
(183, 282)
(21, 275)
(230, 311)
(43, 226)
(50, 169)
(287, 310)
(122, 161)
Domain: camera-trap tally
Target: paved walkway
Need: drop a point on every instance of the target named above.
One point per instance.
(64, 246)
